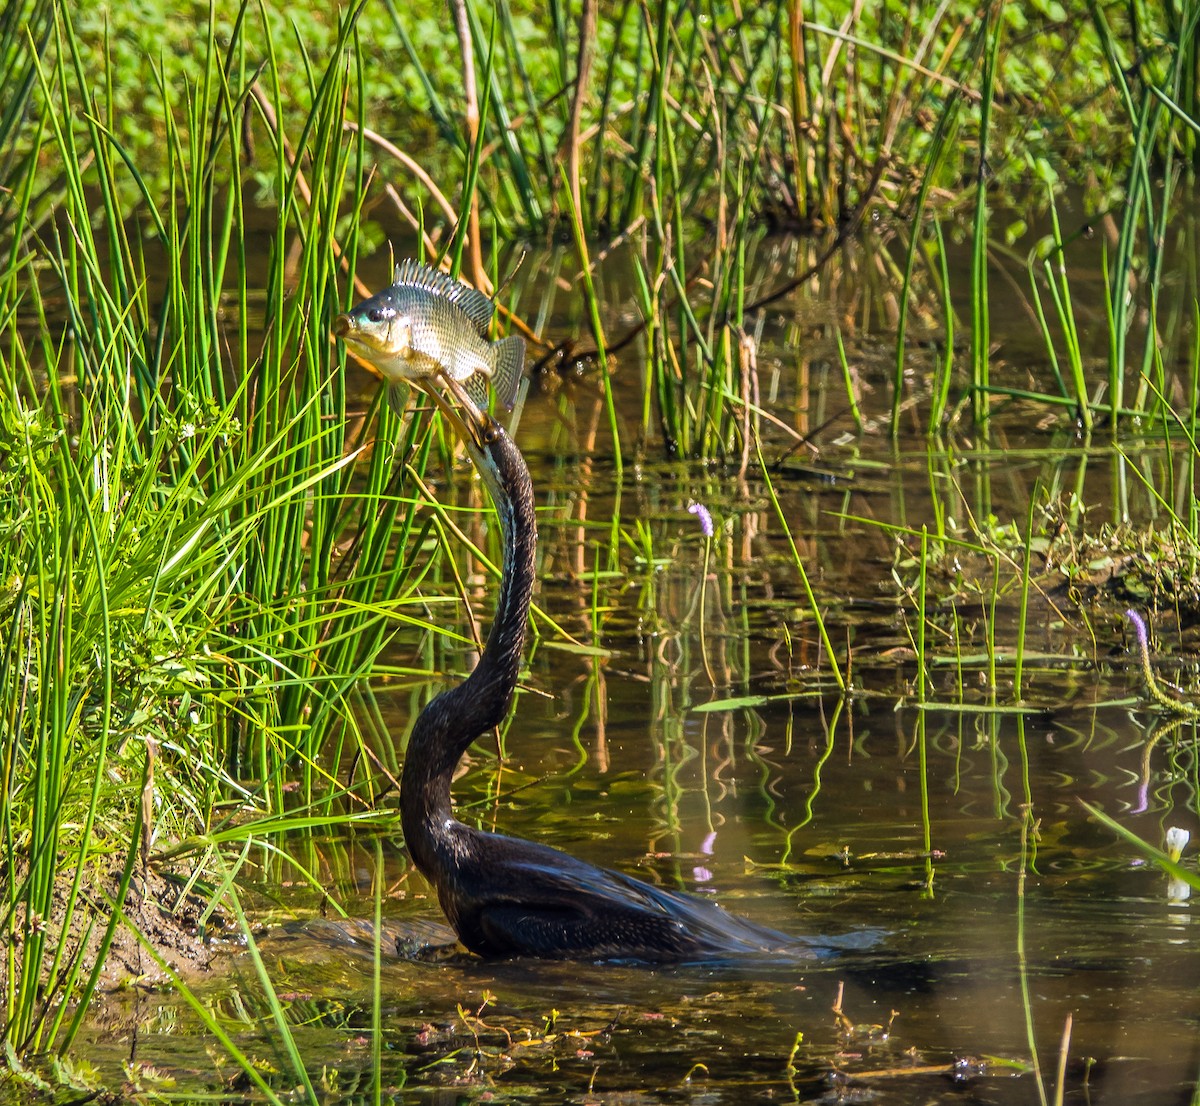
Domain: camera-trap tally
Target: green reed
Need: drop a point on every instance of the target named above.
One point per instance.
(21, 24)
(592, 304)
(945, 372)
(1023, 610)
(924, 687)
(798, 561)
(980, 317)
(943, 137)
(923, 682)
(1160, 104)
(1028, 861)
(1051, 253)
(201, 565)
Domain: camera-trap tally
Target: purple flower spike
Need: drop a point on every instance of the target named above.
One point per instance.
(701, 512)
(1139, 624)
(1172, 704)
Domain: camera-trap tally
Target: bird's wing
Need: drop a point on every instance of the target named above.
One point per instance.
(548, 902)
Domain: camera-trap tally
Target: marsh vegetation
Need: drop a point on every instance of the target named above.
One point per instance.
(906, 298)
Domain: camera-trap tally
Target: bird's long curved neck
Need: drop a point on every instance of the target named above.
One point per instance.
(456, 717)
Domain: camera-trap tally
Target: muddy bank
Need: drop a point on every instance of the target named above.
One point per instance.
(156, 907)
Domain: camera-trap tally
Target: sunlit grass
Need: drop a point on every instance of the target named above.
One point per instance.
(201, 561)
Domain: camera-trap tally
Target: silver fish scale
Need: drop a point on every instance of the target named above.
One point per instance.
(442, 333)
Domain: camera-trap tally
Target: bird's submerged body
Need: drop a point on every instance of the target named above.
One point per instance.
(427, 325)
(509, 897)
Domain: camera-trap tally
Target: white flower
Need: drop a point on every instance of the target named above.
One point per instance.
(1177, 840)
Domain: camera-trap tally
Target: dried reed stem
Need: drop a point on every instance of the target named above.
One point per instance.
(462, 25)
(583, 72)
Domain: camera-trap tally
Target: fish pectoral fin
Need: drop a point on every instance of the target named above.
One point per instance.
(506, 373)
(476, 388)
(397, 398)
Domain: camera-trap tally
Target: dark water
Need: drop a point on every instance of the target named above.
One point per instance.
(943, 827)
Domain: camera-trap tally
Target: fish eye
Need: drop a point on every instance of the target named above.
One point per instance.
(380, 314)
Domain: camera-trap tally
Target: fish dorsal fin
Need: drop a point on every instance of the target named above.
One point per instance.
(474, 304)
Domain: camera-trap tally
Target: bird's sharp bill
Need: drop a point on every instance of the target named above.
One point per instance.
(468, 420)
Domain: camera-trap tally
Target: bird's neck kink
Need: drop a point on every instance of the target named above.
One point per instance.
(459, 715)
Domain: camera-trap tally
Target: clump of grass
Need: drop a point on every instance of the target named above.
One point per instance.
(199, 567)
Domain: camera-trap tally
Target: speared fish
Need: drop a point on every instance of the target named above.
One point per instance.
(428, 325)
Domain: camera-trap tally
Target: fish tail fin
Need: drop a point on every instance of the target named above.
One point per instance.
(510, 364)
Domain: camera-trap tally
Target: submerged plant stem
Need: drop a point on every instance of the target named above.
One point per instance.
(1175, 706)
(1028, 837)
(798, 561)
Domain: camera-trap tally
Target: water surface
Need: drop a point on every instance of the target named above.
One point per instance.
(695, 736)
